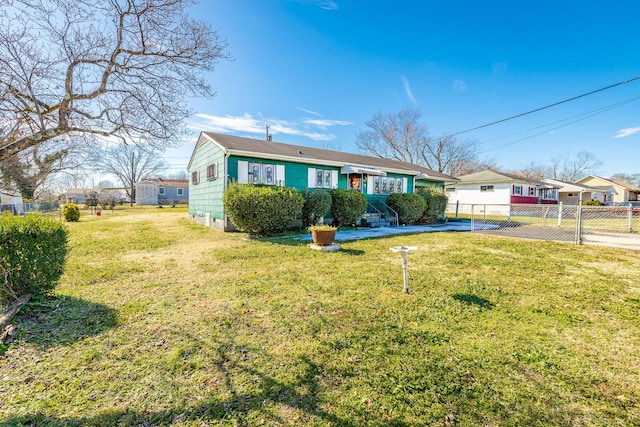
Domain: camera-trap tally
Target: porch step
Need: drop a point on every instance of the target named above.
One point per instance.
(375, 222)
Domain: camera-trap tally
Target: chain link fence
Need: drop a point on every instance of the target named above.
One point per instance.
(617, 226)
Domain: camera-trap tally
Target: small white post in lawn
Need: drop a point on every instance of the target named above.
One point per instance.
(404, 250)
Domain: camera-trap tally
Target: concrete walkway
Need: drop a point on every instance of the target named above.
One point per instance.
(369, 233)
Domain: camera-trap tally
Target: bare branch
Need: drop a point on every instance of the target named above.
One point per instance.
(119, 67)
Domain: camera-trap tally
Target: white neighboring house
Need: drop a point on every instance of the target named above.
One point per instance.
(498, 190)
(9, 202)
(572, 194)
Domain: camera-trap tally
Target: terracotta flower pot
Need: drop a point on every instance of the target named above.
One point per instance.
(323, 237)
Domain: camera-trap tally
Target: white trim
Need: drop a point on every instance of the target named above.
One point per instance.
(311, 177)
(243, 172)
(334, 179)
(280, 175)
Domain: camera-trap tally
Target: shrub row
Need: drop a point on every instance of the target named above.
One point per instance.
(425, 206)
(32, 254)
(266, 210)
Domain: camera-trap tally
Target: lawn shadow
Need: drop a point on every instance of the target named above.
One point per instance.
(62, 321)
(300, 394)
(469, 299)
(353, 252)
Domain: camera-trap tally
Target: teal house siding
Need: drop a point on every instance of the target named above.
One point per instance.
(219, 159)
(205, 192)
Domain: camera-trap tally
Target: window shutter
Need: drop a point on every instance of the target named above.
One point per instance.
(334, 179)
(405, 182)
(370, 184)
(243, 172)
(311, 178)
(280, 175)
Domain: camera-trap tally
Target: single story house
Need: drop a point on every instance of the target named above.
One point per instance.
(618, 193)
(490, 187)
(10, 202)
(218, 159)
(574, 194)
(160, 191)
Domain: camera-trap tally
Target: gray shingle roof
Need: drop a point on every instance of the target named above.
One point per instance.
(268, 149)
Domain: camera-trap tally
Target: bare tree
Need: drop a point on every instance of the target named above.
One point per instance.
(571, 169)
(563, 168)
(631, 179)
(31, 171)
(402, 136)
(394, 135)
(100, 68)
(129, 163)
(534, 170)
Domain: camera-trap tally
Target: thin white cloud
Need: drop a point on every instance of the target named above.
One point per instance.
(459, 86)
(246, 123)
(304, 110)
(323, 124)
(407, 89)
(627, 131)
(322, 4)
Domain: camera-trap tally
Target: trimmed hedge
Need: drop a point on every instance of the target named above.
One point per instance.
(32, 254)
(316, 205)
(71, 212)
(592, 202)
(347, 206)
(436, 203)
(410, 206)
(262, 210)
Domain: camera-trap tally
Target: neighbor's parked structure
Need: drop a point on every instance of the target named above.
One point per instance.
(159, 191)
(618, 193)
(219, 159)
(499, 189)
(80, 195)
(574, 194)
(10, 202)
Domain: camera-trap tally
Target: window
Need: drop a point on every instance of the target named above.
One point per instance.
(160, 191)
(532, 191)
(486, 188)
(572, 194)
(450, 189)
(195, 177)
(260, 173)
(383, 185)
(180, 191)
(549, 194)
(517, 190)
(212, 171)
(324, 178)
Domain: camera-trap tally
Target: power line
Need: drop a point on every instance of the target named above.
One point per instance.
(547, 106)
(594, 113)
(584, 115)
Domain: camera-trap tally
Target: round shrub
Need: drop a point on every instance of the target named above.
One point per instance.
(410, 206)
(347, 206)
(262, 210)
(316, 205)
(71, 212)
(32, 254)
(436, 203)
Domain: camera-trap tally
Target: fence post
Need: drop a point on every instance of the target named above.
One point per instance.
(559, 214)
(472, 216)
(457, 206)
(579, 225)
(630, 218)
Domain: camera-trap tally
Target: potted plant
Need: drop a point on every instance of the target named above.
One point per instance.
(323, 235)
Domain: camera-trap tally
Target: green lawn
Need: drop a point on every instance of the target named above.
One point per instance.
(159, 320)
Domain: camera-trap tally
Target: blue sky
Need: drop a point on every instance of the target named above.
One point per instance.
(317, 70)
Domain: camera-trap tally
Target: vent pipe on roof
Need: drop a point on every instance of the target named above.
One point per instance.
(268, 135)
